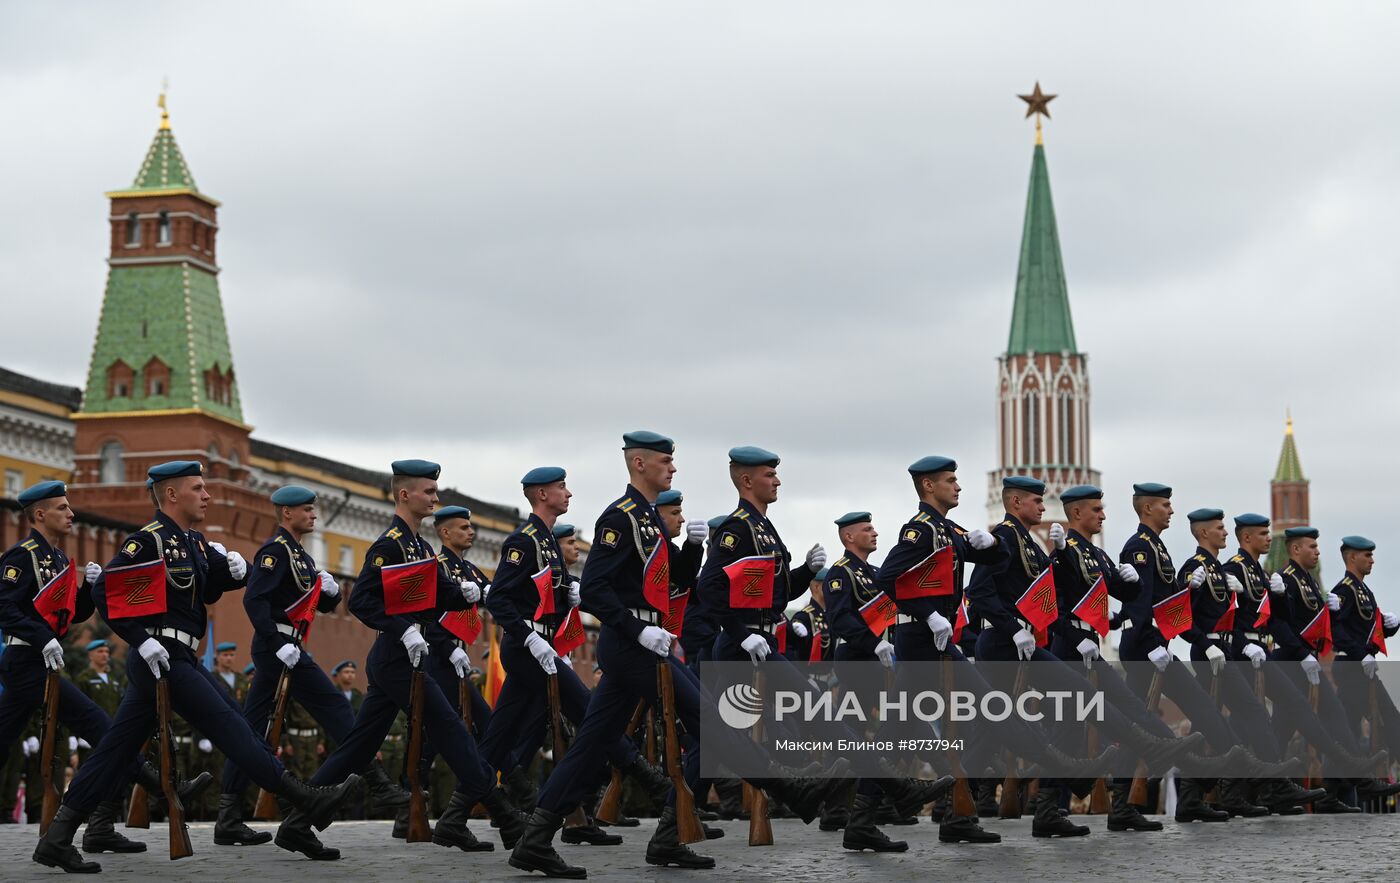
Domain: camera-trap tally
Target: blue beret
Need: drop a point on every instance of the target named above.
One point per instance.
(447, 513)
(715, 522)
(1023, 483)
(748, 455)
(543, 475)
(93, 645)
(225, 646)
(293, 495)
(44, 490)
(349, 663)
(1152, 489)
(416, 468)
(652, 441)
(1360, 544)
(1307, 533)
(822, 574)
(1080, 492)
(562, 530)
(669, 498)
(1251, 519)
(1198, 515)
(150, 483)
(249, 668)
(933, 463)
(851, 518)
(174, 469)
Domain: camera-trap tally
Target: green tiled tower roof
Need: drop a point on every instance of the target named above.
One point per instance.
(1290, 468)
(1040, 319)
(164, 169)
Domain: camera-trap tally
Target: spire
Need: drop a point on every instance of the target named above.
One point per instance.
(1290, 468)
(164, 169)
(1040, 319)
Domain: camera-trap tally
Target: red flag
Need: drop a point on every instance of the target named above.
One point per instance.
(464, 624)
(1092, 609)
(656, 577)
(960, 621)
(57, 600)
(879, 613)
(1378, 634)
(569, 634)
(814, 650)
(751, 582)
(136, 590)
(1038, 605)
(1173, 614)
(674, 620)
(544, 584)
(929, 578)
(303, 610)
(1319, 631)
(1265, 611)
(410, 587)
(1226, 622)
(780, 634)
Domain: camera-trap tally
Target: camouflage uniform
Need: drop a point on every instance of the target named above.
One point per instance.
(105, 694)
(300, 737)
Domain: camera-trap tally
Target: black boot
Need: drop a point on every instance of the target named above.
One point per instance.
(381, 790)
(521, 791)
(295, 835)
(589, 833)
(1234, 799)
(1285, 797)
(803, 796)
(1372, 789)
(400, 829)
(1123, 816)
(1048, 822)
(451, 828)
(1190, 805)
(861, 832)
(910, 796)
(317, 802)
(101, 836)
(1067, 767)
(987, 806)
(55, 848)
(964, 829)
(1158, 753)
(535, 850)
(649, 777)
(509, 821)
(836, 809)
(665, 847)
(148, 777)
(229, 829)
(1267, 769)
(731, 799)
(1332, 803)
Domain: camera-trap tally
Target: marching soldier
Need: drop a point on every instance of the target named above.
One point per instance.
(1359, 630)
(156, 603)
(686, 559)
(811, 635)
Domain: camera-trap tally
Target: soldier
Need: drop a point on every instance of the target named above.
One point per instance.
(100, 683)
(285, 592)
(204, 757)
(811, 639)
(226, 670)
(686, 558)
(161, 612)
(399, 600)
(1359, 630)
(345, 675)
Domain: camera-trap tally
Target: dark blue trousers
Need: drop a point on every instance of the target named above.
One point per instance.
(22, 672)
(1249, 717)
(1180, 686)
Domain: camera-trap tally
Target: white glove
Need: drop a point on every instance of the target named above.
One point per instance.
(1312, 669)
(156, 656)
(416, 645)
(237, 567)
(1368, 665)
(942, 629)
(72, 744)
(1025, 643)
(1217, 659)
(1088, 651)
(1276, 584)
(1057, 535)
(1334, 602)
(1255, 653)
(885, 650)
(289, 653)
(1198, 576)
(799, 629)
(567, 662)
(83, 743)
(31, 746)
(1390, 620)
(816, 558)
(574, 597)
(92, 572)
(485, 591)
(460, 661)
(980, 539)
(53, 655)
(656, 639)
(219, 547)
(756, 646)
(206, 746)
(471, 592)
(1128, 573)
(329, 587)
(543, 653)
(696, 530)
(1160, 658)
(1235, 585)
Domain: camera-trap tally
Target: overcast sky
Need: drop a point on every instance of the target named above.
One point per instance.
(500, 234)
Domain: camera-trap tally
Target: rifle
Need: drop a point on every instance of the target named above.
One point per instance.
(651, 737)
(688, 826)
(418, 829)
(50, 807)
(138, 815)
(266, 808)
(1137, 795)
(1314, 779)
(578, 817)
(963, 804)
(1098, 798)
(1382, 767)
(1010, 807)
(760, 826)
(610, 807)
(464, 699)
(175, 810)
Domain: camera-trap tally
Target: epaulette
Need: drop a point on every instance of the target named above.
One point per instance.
(842, 561)
(1288, 571)
(741, 514)
(529, 530)
(152, 527)
(1007, 523)
(442, 557)
(393, 533)
(921, 518)
(1201, 558)
(29, 545)
(627, 504)
(1346, 581)
(1072, 542)
(1143, 536)
(1238, 559)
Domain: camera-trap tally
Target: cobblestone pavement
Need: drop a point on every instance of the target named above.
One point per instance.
(1298, 847)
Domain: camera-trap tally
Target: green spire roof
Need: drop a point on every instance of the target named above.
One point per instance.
(1289, 466)
(1040, 320)
(164, 167)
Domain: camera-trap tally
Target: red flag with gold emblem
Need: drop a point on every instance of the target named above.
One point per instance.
(814, 650)
(135, 590)
(929, 578)
(1319, 632)
(58, 599)
(1378, 634)
(1092, 609)
(303, 610)
(410, 587)
(464, 624)
(656, 577)
(1038, 605)
(960, 621)
(1265, 611)
(780, 634)
(1173, 614)
(674, 619)
(751, 582)
(879, 613)
(544, 585)
(1226, 622)
(569, 635)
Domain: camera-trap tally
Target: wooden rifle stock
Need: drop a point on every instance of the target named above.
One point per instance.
(418, 828)
(1010, 807)
(1314, 759)
(688, 827)
(266, 808)
(610, 807)
(577, 817)
(464, 699)
(1137, 795)
(175, 810)
(1098, 798)
(138, 814)
(760, 826)
(1382, 767)
(651, 737)
(963, 804)
(51, 796)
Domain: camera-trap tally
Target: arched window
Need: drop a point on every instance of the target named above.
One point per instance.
(1063, 423)
(112, 469)
(163, 236)
(119, 380)
(1030, 426)
(156, 375)
(133, 229)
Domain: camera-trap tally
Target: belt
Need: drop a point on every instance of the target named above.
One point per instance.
(459, 644)
(768, 628)
(1080, 626)
(183, 740)
(1255, 636)
(299, 733)
(289, 631)
(904, 619)
(646, 615)
(393, 738)
(185, 638)
(1219, 636)
(18, 642)
(539, 628)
